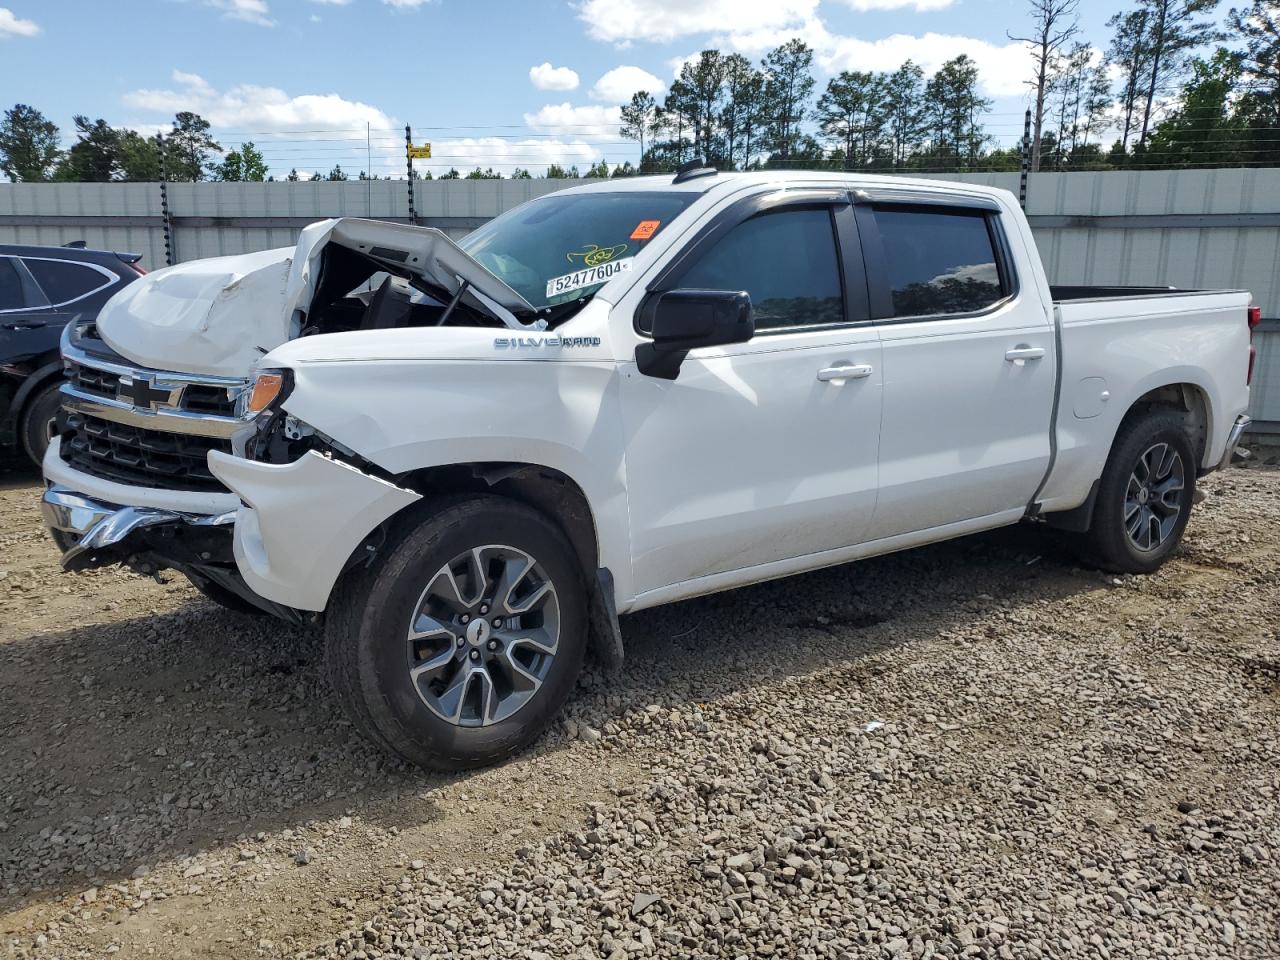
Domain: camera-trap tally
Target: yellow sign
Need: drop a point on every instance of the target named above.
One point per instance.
(422, 152)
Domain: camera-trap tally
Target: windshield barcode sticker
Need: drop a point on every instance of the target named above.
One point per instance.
(587, 277)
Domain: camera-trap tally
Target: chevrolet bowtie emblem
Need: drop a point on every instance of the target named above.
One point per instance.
(142, 392)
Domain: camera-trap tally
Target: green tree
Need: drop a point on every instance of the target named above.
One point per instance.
(905, 115)
(337, 173)
(478, 174)
(598, 171)
(557, 172)
(743, 102)
(1202, 130)
(853, 112)
(1258, 27)
(1130, 56)
(787, 88)
(954, 106)
(639, 118)
(247, 164)
(95, 156)
(520, 173)
(1175, 30)
(189, 148)
(452, 174)
(29, 144)
(292, 176)
(141, 158)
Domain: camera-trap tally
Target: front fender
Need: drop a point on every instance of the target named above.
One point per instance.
(298, 523)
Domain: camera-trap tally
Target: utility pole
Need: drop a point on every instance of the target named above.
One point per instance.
(408, 159)
(165, 219)
(1026, 162)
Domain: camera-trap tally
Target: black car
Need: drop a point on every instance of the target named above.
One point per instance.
(41, 290)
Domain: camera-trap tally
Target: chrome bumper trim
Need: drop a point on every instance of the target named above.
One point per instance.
(183, 422)
(97, 525)
(1241, 425)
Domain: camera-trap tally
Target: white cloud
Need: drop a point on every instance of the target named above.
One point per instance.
(406, 4)
(253, 108)
(918, 5)
(333, 3)
(620, 83)
(12, 26)
(250, 11)
(546, 77)
(622, 21)
(505, 156)
(1002, 69)
(565, 119)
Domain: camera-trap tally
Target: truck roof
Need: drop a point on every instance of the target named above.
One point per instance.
(721, 182)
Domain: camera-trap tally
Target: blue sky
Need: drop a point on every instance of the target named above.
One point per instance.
(302, 78)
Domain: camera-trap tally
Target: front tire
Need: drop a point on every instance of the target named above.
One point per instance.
(1145, 494)
(38, 415)
(460, 645)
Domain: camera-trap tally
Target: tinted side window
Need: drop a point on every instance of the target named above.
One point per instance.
(10, 286)
(787, 262)
(939, 262)
(62, 281)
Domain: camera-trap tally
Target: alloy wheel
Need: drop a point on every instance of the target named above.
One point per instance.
(483, 636)
(1153, 501)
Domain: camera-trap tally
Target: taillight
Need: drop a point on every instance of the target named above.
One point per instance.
(1255, 318)
(142, 271)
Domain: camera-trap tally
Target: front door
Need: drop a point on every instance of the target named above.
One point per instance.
(766, 450)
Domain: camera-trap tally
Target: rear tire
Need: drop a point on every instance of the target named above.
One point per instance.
(1145, 495)
(36, 423)
(462, 642)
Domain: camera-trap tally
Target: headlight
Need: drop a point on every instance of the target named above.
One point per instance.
(269, 389)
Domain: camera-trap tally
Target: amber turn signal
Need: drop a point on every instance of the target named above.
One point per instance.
(266, 390)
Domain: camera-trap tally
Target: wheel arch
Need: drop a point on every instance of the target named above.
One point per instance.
(555, 495)
(1190, 399)
(48, 372)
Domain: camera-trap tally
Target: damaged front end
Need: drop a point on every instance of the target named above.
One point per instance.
(94, 533)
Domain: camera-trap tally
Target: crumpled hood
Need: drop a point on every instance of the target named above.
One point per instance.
(219, 316)
(206, 316)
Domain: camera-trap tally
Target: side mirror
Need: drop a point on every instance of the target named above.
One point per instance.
(682, 320)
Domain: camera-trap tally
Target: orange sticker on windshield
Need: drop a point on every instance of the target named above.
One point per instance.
(645, 229)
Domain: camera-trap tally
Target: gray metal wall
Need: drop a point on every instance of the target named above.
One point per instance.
(1186, 228)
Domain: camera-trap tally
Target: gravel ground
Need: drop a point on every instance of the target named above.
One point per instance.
(974, 749)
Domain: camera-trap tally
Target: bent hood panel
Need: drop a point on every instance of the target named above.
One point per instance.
(212, 316)
(219, 316)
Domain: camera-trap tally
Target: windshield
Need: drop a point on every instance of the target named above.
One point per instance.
(566, 246)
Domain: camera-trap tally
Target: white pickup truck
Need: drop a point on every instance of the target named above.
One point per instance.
(467, 459)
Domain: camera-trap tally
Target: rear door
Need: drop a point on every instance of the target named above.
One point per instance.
(24, 311)
(969, 366)
(766, 450)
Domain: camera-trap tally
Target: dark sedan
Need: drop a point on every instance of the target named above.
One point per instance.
(41, 290)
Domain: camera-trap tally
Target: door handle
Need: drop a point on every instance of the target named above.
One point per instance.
(1021, 353)
(843, 372)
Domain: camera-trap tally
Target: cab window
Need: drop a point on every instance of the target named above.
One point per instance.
(786, 260)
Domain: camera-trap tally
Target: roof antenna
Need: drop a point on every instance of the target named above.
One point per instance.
(697, 167)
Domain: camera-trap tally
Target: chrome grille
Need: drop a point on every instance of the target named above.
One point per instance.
(145, 427)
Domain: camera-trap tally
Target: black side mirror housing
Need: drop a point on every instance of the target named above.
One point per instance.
(682, 320)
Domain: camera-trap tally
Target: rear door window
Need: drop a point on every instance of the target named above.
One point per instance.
(63, 281)
(786, 260)
(11, 296)
(940, 263)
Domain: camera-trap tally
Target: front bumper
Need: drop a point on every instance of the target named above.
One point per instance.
(299, 524)
(96, 533)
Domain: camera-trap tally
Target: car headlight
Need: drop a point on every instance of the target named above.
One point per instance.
(269, 390)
